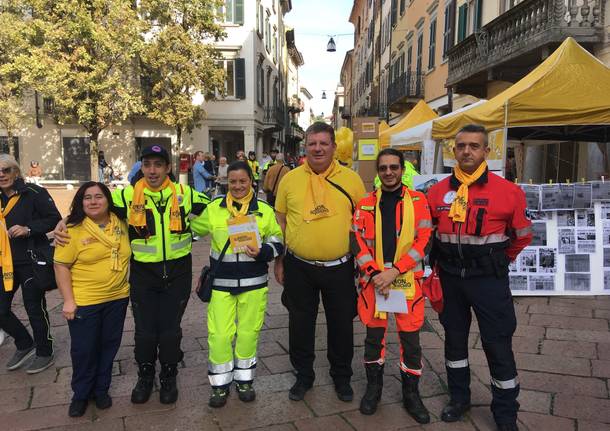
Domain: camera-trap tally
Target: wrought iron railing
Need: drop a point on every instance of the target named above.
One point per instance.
(408, 85)
(526, 26)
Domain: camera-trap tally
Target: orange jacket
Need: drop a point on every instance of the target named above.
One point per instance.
(363, 235)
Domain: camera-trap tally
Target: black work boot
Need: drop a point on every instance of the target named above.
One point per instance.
(168, 394)
(146, 376)
(374, 386)
(411, 400)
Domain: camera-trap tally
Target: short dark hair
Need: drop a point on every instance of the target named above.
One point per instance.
(390, 152)
(320, 127)
(240, 165)
(475, 128)
(77, 211)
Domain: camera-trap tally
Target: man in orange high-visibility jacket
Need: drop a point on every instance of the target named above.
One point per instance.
(391, 230)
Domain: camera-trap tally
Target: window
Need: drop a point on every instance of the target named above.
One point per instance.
(235, 81)
(232, 11)
(260, 29)
(409, 58)
(449, 30)
(402, 7)
(268, 34)
(432, 47)
(420, 48)
(462, 22)
(260, 80)
(394, 12)
(274, 42)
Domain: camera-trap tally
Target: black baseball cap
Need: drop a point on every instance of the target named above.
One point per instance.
(275, 150)
(155, 151)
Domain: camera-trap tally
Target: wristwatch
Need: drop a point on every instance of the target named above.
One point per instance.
(29, 231)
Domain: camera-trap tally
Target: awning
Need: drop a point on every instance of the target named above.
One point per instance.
(570, 87)
(419, 114)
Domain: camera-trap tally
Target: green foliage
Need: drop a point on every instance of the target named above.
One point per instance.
(177, 64)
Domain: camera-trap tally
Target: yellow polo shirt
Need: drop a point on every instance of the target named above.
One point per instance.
(326, 238)
(93, 282)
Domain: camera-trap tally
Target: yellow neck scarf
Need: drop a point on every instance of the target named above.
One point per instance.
(405, 242)
(245, 204)
(6, 260)
(460, 203)
(110, 237)
(137, 215)
(317, 202)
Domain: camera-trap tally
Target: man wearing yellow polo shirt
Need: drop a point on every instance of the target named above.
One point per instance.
(314, 207)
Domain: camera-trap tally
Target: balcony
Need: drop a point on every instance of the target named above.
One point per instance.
(275, 117)
(514, 43)
(295, 132)
(406, 91)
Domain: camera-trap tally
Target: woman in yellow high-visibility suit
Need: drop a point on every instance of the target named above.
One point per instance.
(239, 287)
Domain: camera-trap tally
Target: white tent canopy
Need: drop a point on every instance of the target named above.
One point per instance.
(423, 134)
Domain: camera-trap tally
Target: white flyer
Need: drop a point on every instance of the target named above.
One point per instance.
(395, 303)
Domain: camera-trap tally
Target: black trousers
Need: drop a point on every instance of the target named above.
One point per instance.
(491, 300)
(303, 284)
(36, 307)
(95, 334)
(158, 304)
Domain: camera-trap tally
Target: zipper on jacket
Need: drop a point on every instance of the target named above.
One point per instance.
(163, 234)
(459, 244)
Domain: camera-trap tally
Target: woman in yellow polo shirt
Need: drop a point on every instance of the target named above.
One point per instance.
(91, 273)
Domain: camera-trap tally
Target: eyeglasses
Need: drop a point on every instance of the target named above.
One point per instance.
(384, 168)
(6, 171)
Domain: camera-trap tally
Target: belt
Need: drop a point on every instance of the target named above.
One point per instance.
(323, 263)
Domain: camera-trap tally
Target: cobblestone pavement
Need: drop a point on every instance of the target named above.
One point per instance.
(562, 348)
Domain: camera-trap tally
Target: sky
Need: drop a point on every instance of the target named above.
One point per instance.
(313, 22)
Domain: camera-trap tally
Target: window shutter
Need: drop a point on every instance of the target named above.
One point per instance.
(478, 14)
(462, 22)
(239, 12)
(394, 12)
(240, 78)
(449, 36)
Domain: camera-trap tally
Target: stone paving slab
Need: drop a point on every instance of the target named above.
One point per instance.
(562, 347)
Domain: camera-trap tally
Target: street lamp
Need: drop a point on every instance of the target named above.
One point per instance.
(323, 94)
(331, 46)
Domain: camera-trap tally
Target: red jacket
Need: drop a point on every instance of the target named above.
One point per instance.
(496, 221)
(363, 231)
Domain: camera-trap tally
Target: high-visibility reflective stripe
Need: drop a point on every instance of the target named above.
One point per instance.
(244, 282)
(424, 224)
(419, 267)
(181, 244)
(471, 239)
(233, 257)
(274, 239)
(141, 248)
(505, 384)
(414, 254)
(274, 246)
(463, 363)
(370, 243)
(220, 368)
(244, 375)
(354, 228)
(406, 369)
(523, 232)
(245, 363)
(220, 379)
(364, 259)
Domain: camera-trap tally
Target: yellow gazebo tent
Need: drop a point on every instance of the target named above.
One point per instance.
(419, 114)
(571, 87)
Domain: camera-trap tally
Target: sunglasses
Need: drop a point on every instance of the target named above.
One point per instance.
(6, 171)
(384, 168)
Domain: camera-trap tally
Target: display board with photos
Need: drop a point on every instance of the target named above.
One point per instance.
(570, 249)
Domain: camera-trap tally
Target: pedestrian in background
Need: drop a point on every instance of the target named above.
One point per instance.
(35, 173)
(201, 176)
(91, 273)
(314, 204)
(239, 287)
(222, 180)
(388, 261)
(481, 226)
(27, 214)
(273, 177)
(255, 168)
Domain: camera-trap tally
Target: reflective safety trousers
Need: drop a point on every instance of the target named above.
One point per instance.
(231, 316)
